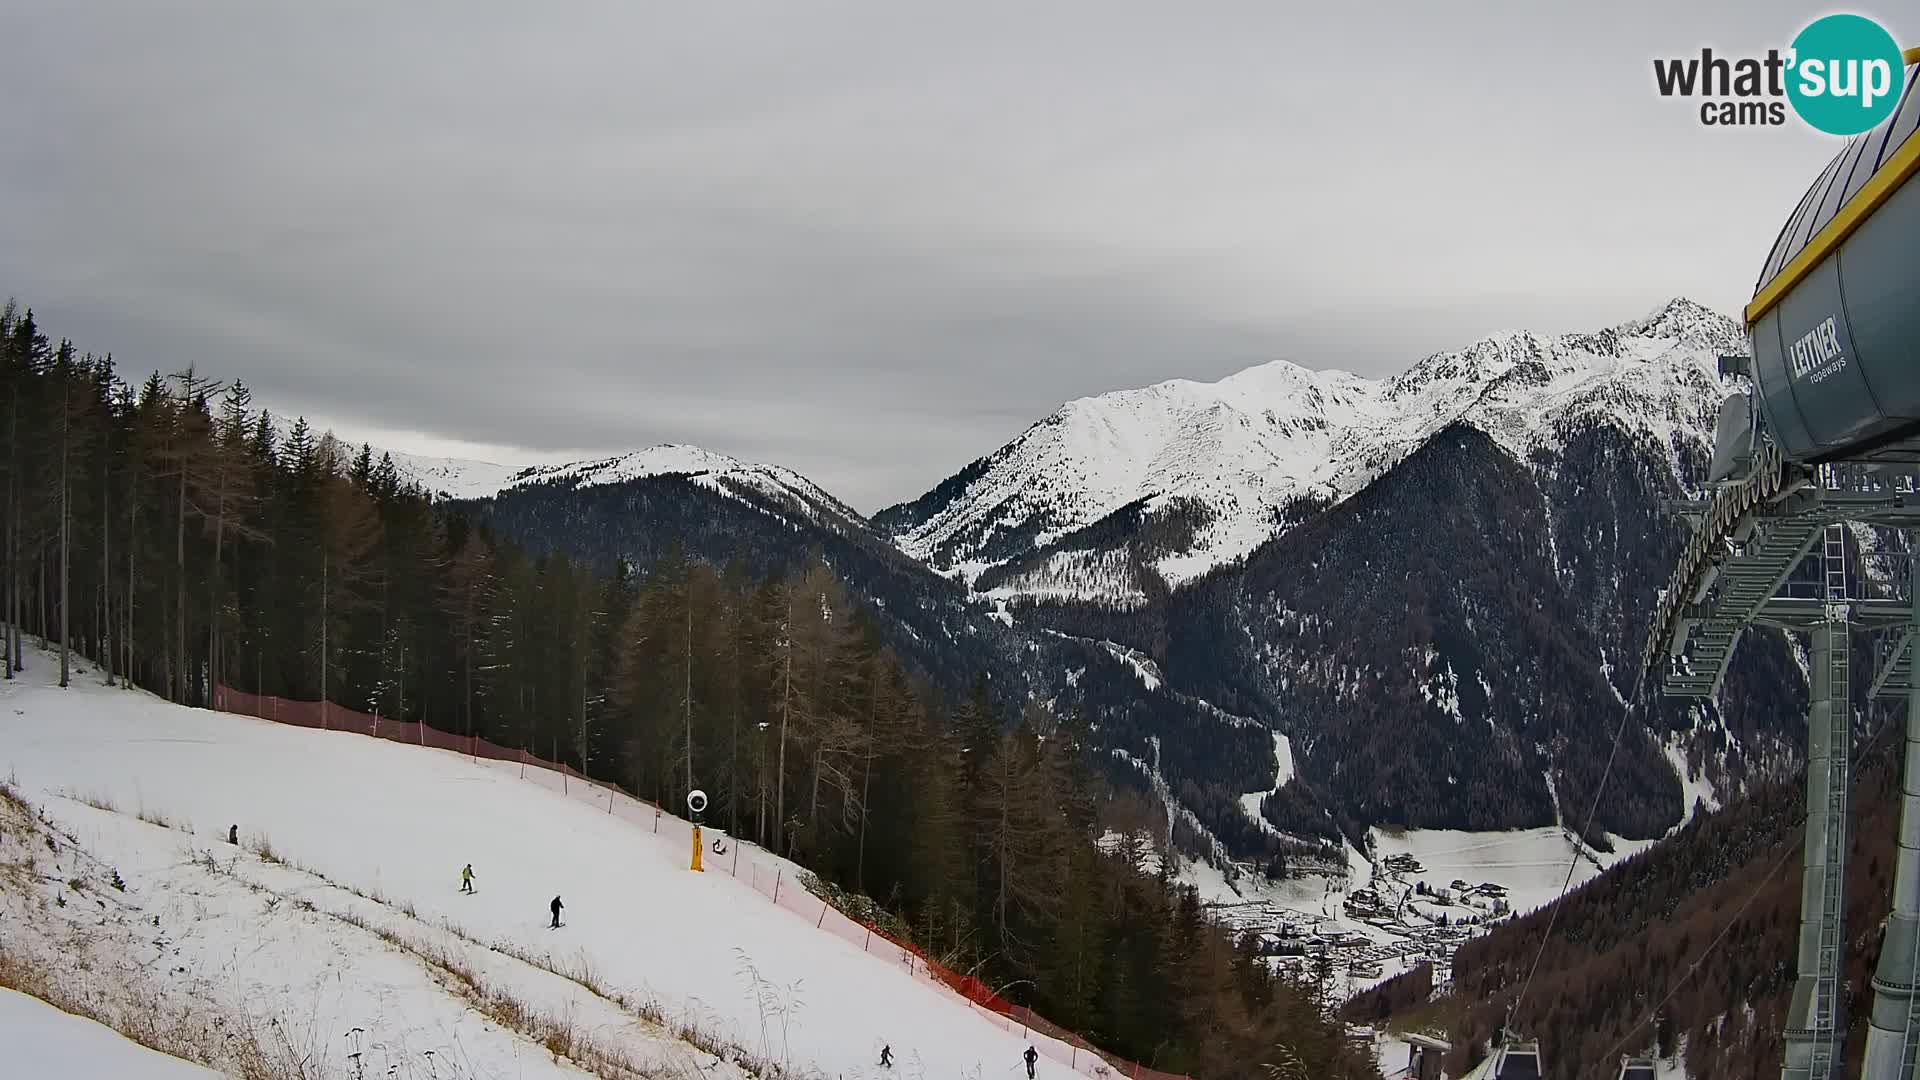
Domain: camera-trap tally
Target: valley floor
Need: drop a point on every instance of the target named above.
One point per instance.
(1527, 868)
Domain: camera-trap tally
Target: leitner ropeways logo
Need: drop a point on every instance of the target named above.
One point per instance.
(1842, 75)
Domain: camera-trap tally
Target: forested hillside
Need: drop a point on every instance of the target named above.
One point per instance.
(1451, 647)
(961, 645)
(186, 540)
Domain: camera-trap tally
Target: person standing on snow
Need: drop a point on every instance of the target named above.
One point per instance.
(1032, 1056)
(886, 1056)
(556, 913)
(466, 878)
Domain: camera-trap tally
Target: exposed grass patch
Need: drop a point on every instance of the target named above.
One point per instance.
(11, 797)
(263, 847)
(98, 802)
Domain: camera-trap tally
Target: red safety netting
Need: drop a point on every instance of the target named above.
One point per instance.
(767, 874)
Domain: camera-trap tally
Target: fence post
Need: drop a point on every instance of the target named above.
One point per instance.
(869, 942)
(776, 884)
(736, 856)
(822, 920)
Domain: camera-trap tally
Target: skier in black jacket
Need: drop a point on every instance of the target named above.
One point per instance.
(556, 913)
(1031, 1055)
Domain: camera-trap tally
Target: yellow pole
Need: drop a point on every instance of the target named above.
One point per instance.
(696, 850)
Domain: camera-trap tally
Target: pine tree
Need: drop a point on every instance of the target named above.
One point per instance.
(222, 484)
(349, 536)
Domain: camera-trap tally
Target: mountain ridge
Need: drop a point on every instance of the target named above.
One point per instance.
(1220, 464)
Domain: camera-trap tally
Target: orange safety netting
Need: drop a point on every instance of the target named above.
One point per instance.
(763, 872)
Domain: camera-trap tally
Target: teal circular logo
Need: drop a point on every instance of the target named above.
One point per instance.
(1845, 74)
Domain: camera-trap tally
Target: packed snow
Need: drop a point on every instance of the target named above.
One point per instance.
(1244, 447)
(379, 831)
(39, 1040)
(1282, 774)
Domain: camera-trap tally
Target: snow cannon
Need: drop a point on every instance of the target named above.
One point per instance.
(696, 805)
(1835, 317)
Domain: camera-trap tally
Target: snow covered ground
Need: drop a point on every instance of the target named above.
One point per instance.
(41, 1041)
(370, 832)
(1283, 773)
(1530, 864)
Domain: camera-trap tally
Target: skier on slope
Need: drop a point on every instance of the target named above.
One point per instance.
(1032, 1056)
(556, 905)
(466, 878)
(886, 1056)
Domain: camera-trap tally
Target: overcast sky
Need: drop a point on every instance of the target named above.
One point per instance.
(871, 241)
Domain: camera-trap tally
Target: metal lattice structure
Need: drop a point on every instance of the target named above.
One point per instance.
(1748, 575)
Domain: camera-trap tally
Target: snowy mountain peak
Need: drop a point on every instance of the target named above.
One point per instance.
(1689, 325)
(1213, 470)
(466, 479)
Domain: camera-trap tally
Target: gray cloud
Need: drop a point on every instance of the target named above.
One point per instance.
(869, 241)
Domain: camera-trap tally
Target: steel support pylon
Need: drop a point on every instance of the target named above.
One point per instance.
(1815, 1026)
(1894, 1028)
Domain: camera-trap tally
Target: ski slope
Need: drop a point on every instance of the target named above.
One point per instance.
(396, 823)
(38, 1040)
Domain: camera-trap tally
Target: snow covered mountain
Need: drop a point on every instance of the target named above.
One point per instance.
(454, 478)
(457, 478)
(1180, 477)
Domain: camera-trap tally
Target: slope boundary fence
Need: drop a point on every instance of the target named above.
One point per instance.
(764, 872)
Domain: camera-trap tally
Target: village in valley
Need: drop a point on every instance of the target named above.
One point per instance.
(1350, 930)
